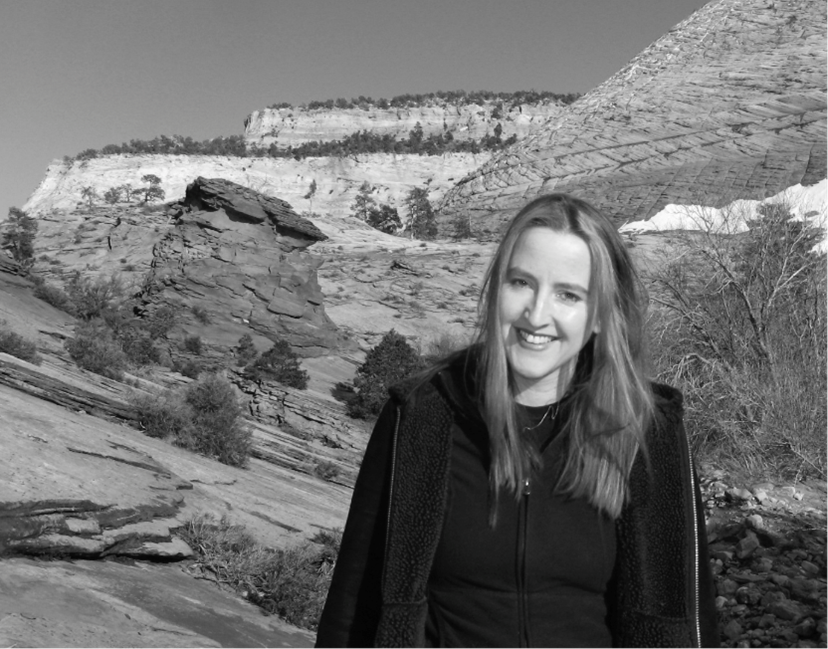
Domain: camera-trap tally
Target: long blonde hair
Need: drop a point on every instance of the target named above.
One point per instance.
(610, 402)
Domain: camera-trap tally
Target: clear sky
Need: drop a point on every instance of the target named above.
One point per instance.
(80, 74)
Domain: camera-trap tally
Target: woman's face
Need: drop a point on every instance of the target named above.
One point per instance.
(545, 310)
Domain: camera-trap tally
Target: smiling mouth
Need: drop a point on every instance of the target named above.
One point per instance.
(535, 339)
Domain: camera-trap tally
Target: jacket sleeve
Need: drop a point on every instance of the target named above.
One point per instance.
(352, 609)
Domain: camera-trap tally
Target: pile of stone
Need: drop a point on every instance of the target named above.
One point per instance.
(768, 556)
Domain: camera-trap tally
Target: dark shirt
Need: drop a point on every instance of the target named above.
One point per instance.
(539, 576)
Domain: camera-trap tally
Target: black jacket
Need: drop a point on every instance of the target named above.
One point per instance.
(661, 593)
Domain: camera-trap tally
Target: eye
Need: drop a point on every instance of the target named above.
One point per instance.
(569, 296)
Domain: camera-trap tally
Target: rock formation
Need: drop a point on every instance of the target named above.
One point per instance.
(731, 103)
(295, 125)
(239, 257)
(337, 178)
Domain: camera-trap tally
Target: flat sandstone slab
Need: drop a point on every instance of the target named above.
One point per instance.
(109, 604)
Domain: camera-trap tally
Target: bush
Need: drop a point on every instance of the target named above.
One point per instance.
(739, 326)
(392, 360)
(96, 298)
(193, 345)
(16, 345)
(245, 351)
(293, 582)
(326, 470)
(205, 418)
(279, 363)
(138, 345)
(161, 321)
(94, 348)
(201, 315)
(217, 428)
(189, 368)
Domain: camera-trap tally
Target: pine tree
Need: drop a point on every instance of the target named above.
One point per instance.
(364, 203)
(421, 222)
(19, 234)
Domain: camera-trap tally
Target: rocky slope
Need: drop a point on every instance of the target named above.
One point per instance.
(337, 179)
(731, 103)
(295, 125)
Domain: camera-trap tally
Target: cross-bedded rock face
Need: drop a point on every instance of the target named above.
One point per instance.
(240, 257)
(731, 103)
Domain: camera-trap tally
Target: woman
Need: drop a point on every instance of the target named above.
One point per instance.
(534, 489)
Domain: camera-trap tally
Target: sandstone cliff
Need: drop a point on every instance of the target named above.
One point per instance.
(731, 103)
(337, 179)
(293, 126)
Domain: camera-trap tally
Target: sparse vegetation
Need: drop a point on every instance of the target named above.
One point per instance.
(205, 418)
(392, 360)
(279, 363)
(16, 345)
(193, 345)
(421, 222)
(94, 347)
(739, 326)
(292, 583)
(245, 350)
(201, 315)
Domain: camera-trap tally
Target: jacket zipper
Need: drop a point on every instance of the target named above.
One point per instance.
(523, 608)
(391, 488)
(696, 566)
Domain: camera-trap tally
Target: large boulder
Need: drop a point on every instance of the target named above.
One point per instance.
(731, 103)
(238, 259)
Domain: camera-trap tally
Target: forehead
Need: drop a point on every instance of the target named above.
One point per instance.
(543, 250)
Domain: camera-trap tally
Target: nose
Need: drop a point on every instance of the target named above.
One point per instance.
(539, 311)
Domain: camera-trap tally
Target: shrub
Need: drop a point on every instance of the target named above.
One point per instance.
(245, 351)
(193, 345)
(94, 348)
(205, 418)
(96, 298)
(164, 416)
(201, 315)
(55, 296)
(445, 344)
(161, 321)
(293, 582)
(392, 360)
(138, 345)
(740, 327)
(217, 428)
(16, 345)
(326, 470)
(279, 363)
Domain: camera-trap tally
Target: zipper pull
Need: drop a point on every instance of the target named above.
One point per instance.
(526, 488)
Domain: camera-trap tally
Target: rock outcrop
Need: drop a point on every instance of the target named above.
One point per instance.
(464, 121)
(338, 179)
(729, 104)
(239, 257)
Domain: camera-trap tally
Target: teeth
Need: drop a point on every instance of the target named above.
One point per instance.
(535, 339)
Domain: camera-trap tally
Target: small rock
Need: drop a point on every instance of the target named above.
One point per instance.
(809, 567)
(766, 621)
(722, 555)
(747, 545)
(764, 564)
(771, 597)
(727, 587)
(785, 609)
(788, 491)
(755, 521)
(780, 580)
(739, 494)
(798, 495)
(806, 628)
(721, 602)
(822, 625)
(732, 630)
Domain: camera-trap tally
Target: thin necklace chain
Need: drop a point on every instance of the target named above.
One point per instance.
(545, 415)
